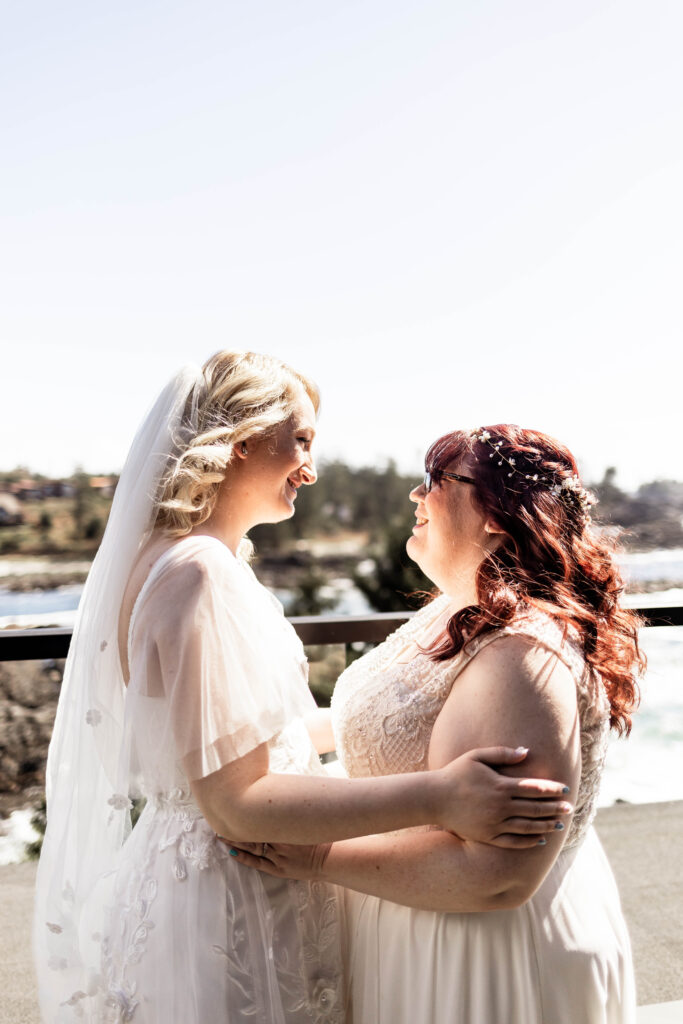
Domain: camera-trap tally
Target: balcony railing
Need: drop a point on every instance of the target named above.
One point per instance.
(39, 644)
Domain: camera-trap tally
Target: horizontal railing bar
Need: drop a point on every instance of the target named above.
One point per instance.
(348, 629)
(662, 615)
(43, 644)
(34, 644)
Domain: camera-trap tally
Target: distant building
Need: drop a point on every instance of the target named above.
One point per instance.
(105, 485)
(58, 489)
(27, 489)
(11, 512)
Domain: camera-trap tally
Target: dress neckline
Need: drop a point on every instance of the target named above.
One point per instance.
(410, 631)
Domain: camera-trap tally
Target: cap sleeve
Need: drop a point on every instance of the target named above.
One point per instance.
(211, 644)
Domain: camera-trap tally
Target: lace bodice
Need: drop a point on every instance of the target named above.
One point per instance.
(384, 709)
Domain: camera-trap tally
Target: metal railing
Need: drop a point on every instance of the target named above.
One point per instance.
(40, 644)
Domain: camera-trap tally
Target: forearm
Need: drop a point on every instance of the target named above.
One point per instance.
(314, 809)
(437, 871)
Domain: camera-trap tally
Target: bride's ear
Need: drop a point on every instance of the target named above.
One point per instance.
(490, 526)
(494, 530)
(240, 450)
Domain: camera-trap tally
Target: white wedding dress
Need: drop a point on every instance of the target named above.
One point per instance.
(183, 934)
(561, 958)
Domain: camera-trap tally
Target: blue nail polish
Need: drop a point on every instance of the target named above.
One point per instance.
(559, 826)
(233, 853)
(565, 789)
(542, 842)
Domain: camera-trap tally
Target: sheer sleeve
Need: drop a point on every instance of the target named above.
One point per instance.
(216, 669)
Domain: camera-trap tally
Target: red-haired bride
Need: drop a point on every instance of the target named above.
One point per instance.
(526, 643)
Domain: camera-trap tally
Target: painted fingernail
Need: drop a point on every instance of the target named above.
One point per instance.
(566, 808)
(522, 750)
(542, 842)
(233, 853)
(565, 789)
(559, 826)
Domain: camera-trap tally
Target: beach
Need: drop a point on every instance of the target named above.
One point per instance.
(644, 843)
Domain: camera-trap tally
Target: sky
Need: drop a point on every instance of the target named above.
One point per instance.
(447, 213)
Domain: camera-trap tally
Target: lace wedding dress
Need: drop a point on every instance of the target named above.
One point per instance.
(561, 958)
(182, 933)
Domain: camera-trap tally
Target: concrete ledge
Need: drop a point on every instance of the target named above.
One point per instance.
(17, 981)
(644, 844)
(661, 1013)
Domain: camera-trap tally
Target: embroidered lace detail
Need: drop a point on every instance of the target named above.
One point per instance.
(185, 828)
(236, 953)
(384, 710)
(309, 974)
(135, 925)
(310, 983)
(313, 984)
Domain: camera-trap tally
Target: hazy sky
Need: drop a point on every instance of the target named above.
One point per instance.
(448, 213)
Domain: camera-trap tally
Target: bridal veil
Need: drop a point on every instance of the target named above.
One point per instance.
(88, 806)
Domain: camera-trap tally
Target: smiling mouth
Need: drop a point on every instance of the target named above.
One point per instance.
(294, 486)
(420, 521)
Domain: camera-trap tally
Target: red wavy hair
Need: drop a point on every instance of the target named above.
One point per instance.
(551, 558)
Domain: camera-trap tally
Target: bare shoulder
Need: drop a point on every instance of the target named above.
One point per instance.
(521, 664)
(515, 692)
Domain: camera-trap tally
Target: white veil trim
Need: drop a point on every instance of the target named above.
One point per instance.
(87, 769)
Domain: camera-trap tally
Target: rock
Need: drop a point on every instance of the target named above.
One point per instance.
(29, 691)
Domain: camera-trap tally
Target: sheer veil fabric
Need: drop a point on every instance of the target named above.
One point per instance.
(88, 806)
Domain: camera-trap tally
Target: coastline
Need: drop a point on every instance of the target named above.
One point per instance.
(644, 844)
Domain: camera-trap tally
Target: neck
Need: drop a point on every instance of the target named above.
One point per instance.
(461, 591)
(459, 581)
(231, 517)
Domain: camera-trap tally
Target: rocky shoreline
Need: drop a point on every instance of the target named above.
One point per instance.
(29, 691)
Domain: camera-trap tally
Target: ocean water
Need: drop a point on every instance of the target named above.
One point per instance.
(20, 607)
(649, 566)
(646, 767)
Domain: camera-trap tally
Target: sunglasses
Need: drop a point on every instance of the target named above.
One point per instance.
(435, 476)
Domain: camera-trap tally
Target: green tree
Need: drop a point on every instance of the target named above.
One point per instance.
(83, 502)
(394, 578)
(308, 599)
(45, 523)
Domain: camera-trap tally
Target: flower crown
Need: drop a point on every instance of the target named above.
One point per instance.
(568, 487)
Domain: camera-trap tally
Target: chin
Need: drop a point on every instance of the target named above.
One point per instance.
(286, 511)
(278, 515)
(410, 549)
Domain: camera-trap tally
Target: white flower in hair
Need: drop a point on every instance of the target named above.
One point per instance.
(569, 487)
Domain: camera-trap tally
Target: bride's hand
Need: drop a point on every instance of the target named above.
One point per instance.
(284, 860)
(488, 807)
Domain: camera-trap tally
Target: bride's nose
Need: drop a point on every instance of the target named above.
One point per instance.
(307, 471)
(418, 493)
